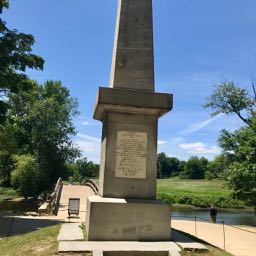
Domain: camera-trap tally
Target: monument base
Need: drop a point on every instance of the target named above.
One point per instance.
(114, 219)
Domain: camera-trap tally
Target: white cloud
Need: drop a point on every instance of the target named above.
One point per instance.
(89, 145)
(162, 142)
(200, 148)
(88, 137)
(85, 123)
(194, 127)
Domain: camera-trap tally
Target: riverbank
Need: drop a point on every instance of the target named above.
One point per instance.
(197, 193)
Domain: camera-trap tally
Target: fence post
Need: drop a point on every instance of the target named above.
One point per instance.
(224, 236)
(195, 227)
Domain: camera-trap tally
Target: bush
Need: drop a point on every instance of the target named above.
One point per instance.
(26, 176)
(201, 201)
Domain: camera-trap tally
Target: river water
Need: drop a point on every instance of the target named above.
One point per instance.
(229, 217)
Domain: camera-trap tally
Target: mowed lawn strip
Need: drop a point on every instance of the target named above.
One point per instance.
(196, 187)
(42, 242)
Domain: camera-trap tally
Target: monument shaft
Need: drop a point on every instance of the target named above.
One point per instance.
(133, 65)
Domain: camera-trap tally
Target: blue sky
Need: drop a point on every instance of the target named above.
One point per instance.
(197, 44)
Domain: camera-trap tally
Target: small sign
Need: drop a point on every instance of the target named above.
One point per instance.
(73, 206)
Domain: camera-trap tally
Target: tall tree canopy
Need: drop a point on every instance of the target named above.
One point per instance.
(239, 146)
(15, 57)
(39, 123)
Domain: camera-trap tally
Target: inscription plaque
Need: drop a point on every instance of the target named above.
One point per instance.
(131, 155)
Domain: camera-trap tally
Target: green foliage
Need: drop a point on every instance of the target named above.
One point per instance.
(26, 176)
(39, 123)
(3, 3)
(216, 167)
(6, 167)
(202, 201)
(83, 169)
(15, 58)
(8, 193)
(242, 178)
(195, 168)
(228, 98)
(239, 147)
(167, 166)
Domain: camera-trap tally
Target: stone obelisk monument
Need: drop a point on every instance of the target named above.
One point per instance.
(126, 207)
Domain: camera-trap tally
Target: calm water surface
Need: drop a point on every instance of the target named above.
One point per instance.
(232, 218)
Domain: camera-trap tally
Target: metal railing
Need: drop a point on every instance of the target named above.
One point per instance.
(196, 218)
(91, 183)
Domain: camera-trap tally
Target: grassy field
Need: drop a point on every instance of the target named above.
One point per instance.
(38, 243)
(195, 187)
(198, 193)
(44, 243)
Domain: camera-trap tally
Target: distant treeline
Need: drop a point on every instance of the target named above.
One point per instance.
(193, 168)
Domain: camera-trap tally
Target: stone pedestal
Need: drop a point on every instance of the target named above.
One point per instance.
(112, 219)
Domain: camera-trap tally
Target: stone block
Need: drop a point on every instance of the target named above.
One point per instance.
(132, 102)
(112, 219)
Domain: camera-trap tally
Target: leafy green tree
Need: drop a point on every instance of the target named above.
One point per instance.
(195, 168)
(228, 98)
(26, 176)
(39, 123)
(217, 166)
(6, 168)
(15, 58)
(167, 166)
(239, 146)
(87, 169)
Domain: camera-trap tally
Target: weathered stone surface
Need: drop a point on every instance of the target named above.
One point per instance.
(133, 65)
(70, 232)
(109, 184)
(131, 101)
(127, 220)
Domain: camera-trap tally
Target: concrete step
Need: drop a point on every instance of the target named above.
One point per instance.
(115, 248)
(71, 232)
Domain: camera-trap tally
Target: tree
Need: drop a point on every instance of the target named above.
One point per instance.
(239, 147)
(167, 166)
(195, 168)
(228, 98)
(217, 166)
(39, 123)
(6, 167)
(26, 176)
(15, 58)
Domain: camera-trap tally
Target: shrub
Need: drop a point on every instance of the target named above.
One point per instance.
(26, 176)
(201, 201)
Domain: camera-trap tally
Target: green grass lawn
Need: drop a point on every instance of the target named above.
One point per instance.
(38, 243)
(197, 193)
(195, 187)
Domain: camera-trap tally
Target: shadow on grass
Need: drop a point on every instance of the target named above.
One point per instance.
(14, 225)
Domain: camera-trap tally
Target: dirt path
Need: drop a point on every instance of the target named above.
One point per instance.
(238, 242)
(73, 191)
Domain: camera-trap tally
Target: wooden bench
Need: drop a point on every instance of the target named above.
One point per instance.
(43, 208)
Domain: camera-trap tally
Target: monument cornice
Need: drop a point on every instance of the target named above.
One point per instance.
(131, 102)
